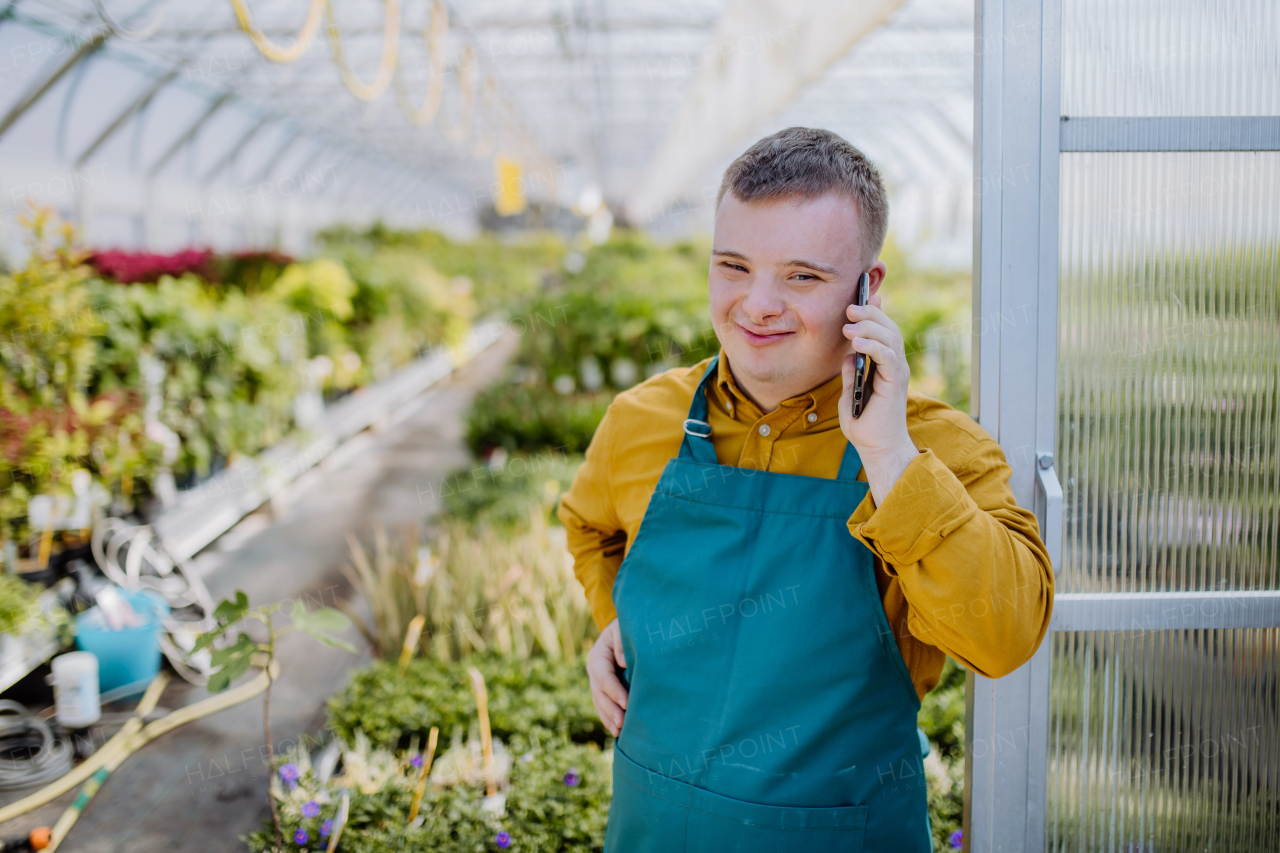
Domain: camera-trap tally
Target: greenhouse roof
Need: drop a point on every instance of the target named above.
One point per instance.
(586, 96)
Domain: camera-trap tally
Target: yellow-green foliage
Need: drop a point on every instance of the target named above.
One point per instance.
(501, 271)
(932, 309)
(484, 589)
(53, 421)
(402, 305)
(229, 373)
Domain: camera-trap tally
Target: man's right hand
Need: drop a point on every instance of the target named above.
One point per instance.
(607, 691)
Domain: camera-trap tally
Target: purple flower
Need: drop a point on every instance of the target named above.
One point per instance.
(289, 773)
(502, 839)
(326, 828)
(416, 761)
(310, 808)
(957, 839)
(300, 836)
(571, 778)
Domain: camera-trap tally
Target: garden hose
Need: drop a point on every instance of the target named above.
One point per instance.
(24, 733)
(148, 565)
(271, 51)
(134, 735)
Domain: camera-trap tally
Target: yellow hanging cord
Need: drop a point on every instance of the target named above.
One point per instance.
(277, 54)
(466, 96)
(421, 116)
(487, 143)
(387, 66)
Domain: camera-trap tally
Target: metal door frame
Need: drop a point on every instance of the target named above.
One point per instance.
(1019, 133)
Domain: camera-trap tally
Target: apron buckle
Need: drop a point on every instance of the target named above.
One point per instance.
(688, 421)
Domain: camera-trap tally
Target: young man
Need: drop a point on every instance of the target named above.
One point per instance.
(777, 583)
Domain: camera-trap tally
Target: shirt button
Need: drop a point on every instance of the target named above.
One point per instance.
(812, 416)
(764, 429)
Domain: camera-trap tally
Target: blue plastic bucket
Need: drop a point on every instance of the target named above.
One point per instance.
(128, 655)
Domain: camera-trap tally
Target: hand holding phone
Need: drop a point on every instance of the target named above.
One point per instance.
(864, 365)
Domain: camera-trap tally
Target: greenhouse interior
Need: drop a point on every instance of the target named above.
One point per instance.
(335, 341)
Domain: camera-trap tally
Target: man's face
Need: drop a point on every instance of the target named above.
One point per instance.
(782, 274)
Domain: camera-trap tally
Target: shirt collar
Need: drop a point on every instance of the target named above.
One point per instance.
(824, 400)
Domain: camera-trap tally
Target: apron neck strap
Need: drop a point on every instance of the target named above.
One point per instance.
(697, 432)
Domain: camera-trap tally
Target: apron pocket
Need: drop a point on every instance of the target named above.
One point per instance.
(652, 813)
(648, 812)
(719, 823)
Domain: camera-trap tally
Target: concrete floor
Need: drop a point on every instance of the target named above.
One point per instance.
(203, 785)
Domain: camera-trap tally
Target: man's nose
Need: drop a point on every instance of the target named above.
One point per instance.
(763, 299)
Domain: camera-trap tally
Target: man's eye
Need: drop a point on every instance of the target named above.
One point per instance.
(735, 266)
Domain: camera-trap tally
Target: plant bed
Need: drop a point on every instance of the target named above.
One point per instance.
(392, 707)
(556, 801)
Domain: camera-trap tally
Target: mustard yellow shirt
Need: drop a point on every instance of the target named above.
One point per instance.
(960, 566)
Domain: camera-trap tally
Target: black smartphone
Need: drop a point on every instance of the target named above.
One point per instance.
(864, 367)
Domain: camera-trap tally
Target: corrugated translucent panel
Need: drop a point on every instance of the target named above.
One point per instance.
(1170, 57)
(1169, 371)
(1164, 741)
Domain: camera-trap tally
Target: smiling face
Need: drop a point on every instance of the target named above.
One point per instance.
(782, 274)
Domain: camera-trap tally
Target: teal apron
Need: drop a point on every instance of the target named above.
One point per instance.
(769, 706)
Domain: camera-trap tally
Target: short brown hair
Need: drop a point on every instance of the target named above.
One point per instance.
(810, 162)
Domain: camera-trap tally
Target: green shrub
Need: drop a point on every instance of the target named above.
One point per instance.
(502, 496)
(533, 419)
(228, 374)
(941, 718)
(21, 611)
(390, 707)
(634, 309)
(501, 272)
(54, 419)
(401, 305)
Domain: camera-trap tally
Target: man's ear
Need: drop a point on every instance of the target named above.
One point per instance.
(877, 273)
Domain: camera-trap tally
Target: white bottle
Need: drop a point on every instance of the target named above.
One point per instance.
(75, 689)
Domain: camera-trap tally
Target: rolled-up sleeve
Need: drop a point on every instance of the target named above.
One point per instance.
(976, 577)
(596, 537)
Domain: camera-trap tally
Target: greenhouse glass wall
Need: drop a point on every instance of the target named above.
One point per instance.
(334, 340)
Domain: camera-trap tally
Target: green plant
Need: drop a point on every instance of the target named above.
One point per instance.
(393, 705)
(941, 717)
(400, 305)
(319, 293)
(501, 493)
(233, 659)
(521, 418)
(633, 309)
(21, 610)
(502, 273)
(54, 422)
(508, 590)
(224, 364)
(557, 801)
(932, 310)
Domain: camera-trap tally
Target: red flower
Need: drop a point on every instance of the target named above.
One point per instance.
(146, 267)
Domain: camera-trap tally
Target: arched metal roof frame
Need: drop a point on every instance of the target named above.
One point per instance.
(100, 42)
(587, 86)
